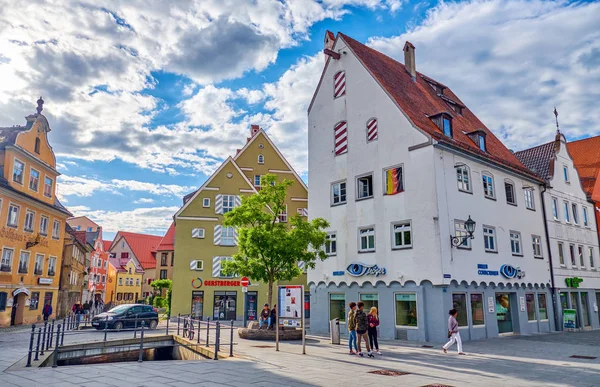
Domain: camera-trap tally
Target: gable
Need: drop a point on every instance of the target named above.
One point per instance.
(39, 130)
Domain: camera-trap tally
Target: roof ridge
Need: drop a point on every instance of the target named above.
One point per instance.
(537, 146)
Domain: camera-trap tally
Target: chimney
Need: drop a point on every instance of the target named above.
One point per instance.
(409, 59)
(253, 130)
(328, 45)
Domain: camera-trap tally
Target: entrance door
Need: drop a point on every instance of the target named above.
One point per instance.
(251, 304)
(225, 304)
(503, 313)
(197, 303)
(16, 314)
(585, 310)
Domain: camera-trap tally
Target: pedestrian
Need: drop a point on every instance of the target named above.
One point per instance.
(273, 317)
(373, 320)
(352, 328)
(47, 311)
(79, 313)
(362, 326)
(265, 316)
(453, 333)
(96, 305)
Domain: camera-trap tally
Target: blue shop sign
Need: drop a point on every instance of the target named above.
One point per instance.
(360, 269)
(511, 272)
(447, 276)
(338, 273)
(483, 270)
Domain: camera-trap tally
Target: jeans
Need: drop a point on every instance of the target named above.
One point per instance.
(264, 321)
(352, 340)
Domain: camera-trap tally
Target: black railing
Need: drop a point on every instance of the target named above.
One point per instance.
(51, 273)
(23, 270)
(37, 272)
(5, 268)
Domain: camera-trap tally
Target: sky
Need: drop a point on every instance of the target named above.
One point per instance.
(145, 99)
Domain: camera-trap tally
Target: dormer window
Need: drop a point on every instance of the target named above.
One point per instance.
(482, 143)
(444, 122)
(447, 126)
(478, 137)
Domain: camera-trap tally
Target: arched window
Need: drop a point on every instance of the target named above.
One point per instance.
(37, 145)
(339, 84)
(261, 159)
(372, 129)
(340, 137)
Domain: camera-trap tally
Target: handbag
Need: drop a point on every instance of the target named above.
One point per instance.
(449, 334)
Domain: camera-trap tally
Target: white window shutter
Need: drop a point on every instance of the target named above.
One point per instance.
(193, 265)
(238, 200)
(219, 204)
(216, 269)
(217, 237)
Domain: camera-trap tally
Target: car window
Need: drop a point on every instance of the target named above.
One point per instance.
(148, 308)
(119, 309)
(136, 309)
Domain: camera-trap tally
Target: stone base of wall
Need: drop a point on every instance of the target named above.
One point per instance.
(254, 333)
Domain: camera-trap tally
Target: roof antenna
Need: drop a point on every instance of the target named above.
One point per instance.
(556, 116)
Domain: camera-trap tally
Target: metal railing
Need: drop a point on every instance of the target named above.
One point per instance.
(218, 335)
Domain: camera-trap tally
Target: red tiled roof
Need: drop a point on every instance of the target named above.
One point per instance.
(143, 246)
(80, 236)
(539, 159)
(167, 243)
(586, 157)
(106, 245)
(419, 101)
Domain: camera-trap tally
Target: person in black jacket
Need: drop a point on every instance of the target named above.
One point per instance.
(273, 319)
(362, 326)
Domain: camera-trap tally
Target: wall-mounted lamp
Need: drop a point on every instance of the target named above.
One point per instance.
(457, 241)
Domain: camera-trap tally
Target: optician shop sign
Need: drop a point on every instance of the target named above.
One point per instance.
(507, 271)
(360, 269)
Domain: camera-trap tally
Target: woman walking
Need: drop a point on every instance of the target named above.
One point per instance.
(373, 320)
(453, 333)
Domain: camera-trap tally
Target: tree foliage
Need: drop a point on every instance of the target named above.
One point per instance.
(160, 284)
(269, 250)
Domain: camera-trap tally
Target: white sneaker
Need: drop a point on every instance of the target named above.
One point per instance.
(370, 354)
(379, 353)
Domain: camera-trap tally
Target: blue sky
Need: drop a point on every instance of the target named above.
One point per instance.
(146, 98)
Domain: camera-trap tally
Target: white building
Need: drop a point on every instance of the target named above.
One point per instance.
(572, 231)
(397, 164)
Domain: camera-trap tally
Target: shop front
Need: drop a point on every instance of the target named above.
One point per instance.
(582, 305)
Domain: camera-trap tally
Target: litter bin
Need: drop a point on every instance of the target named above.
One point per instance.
(334, 330)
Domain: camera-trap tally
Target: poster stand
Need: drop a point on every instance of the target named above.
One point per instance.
(290, 306)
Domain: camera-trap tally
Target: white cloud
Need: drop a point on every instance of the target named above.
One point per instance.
(154, 220)
(143, 201)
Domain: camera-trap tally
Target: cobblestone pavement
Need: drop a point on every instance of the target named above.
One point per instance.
(541, 360)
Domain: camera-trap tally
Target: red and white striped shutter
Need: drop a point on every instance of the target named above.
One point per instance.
(339, 84)
(372, 129)
(341, 137)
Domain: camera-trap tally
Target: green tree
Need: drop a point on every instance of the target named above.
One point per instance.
(160, 284)
(270, 250)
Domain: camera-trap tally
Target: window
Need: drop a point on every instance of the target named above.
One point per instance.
(529, 202)
(530, 301)
(34, 300)
(339, 84)
(393, 180)
(24, 262)
(561, 253)
(206, 202)
(460, 231)
(18, 171)
(555, 208)
(566, 173)
(99, 262)
(52, 266)
(56, 229)
(227, 236)
(536, 241)
(163, 274)
(585, 217)
(48, 183)
(572, 252)
(447, 123)
(406, 310)
(366, 239)
(463, 178)
(364, 185)
(488, 185)
(257, 179)
(581, 259)
(6, 264)
(120, 282)
(509, 189)
(197, 233)
(283, 215)
(29, 220)
(302, 211)
(34, 180)
(566, 208)
(137, 282)
(39, 264)
(337, 306)
(228, 203)
(261, 159)
(515, 243)
(13, 216)
(542, 306)
(43, 225)
(338, 193)
(372, 129)
(3, 298)
(489, 239)
(401, 235)
(197, 265)
(163, 259)
(591, 256)
(482, 143)
(103, 279)
(331, 244)
(459, 302)
(575, 213)
(221, 273)
(477, 314)
(36, 147)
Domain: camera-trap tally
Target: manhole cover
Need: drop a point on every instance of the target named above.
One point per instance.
(389, 373)
(263, 346)
(437, 385)
(583, 357)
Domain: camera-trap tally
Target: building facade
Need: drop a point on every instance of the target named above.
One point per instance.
(398, 165)
(165, 257)
(73, 271)
(32, 222)
(202, 242)
(128, 280)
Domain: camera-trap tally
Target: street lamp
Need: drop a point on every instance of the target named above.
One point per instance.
(457, 241)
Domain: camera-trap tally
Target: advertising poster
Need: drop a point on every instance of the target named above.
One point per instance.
(569, 318)
(291, 301)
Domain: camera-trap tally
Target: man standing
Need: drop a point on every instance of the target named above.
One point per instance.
(362, 325)
(47, 311)
(273, 318)
(352, 328)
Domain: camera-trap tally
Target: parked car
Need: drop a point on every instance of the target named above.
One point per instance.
(127, 316)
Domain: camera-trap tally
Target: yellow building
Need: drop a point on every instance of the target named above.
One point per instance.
(202, 242)
(111, 283)
(128, 281)
(32, 222)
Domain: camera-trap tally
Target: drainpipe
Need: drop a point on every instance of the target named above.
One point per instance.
(553, 288)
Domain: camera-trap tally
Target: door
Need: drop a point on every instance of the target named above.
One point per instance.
(225, 304)
(584, 309)
(503, 313)
(574, 306)
(16, 314)
(197, 303)
(251, 304)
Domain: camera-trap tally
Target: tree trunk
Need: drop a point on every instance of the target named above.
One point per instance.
(270, 294)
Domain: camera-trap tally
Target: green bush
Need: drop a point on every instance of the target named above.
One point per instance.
(159, 302)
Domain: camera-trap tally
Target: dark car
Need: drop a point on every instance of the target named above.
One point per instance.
(127, 316)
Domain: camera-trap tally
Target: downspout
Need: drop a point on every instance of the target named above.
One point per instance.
(553, 288)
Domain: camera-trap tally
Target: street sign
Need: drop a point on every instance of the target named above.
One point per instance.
(245, 289)
(245, 282)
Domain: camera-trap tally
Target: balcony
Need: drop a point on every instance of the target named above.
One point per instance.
(37, 271)
(51, 273)
(5, 268)
(22, 269)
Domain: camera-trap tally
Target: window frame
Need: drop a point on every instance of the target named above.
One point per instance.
(27, 212)
(482, 307)
(259, 181)
(345, 195)
(403, 246)
(15, 161)
(511, 184)
(529, 198)
(221, 275)
(586, 222)
(575, 213)
(360, 236)
(42, 217)
(283, 215)
(566, 211)
(260, 159)
(206, 202)
(572, 256)
(536, 242)
(35, 265)
(51, 186)
(538, 306)
(535, 312)
(26, 271)
(460, 231)
(561, 254)
(56, 236)
(368, 177)
(450, 132)
(51, 259)
(10, 259)
(581, 257)
(396, 310)
(591, 257)
(331, 237)
(385, 182)
(8, 215)
(488, 179)
(492, 235)
(226, 200)
(566, 174)
(37, 188)
(460, 178)
(518, 240)
(225, 229)
(555, 209)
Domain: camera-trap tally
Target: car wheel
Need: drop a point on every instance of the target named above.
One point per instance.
(118, 326)
(153, 324)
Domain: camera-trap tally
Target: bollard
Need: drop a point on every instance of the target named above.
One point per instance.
(178, 316)
(231, 341)
(37, 347)
(51, 335)
(168, 318)
(105, 327)
(68, 320)
(30, 346)
(135, 327)
(62, 339)
(55, 355)
(199, 324)
(207, 330)
(140, 359)
(217, 340)
(44, 337)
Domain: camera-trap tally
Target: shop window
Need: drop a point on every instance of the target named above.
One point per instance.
(197, 304)
(370, 300)
(34, 300)
(530, 301)
(406, 310)
(337, 307)
(542, 306)
(459, 302)
(477, 309)
(3, 298)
